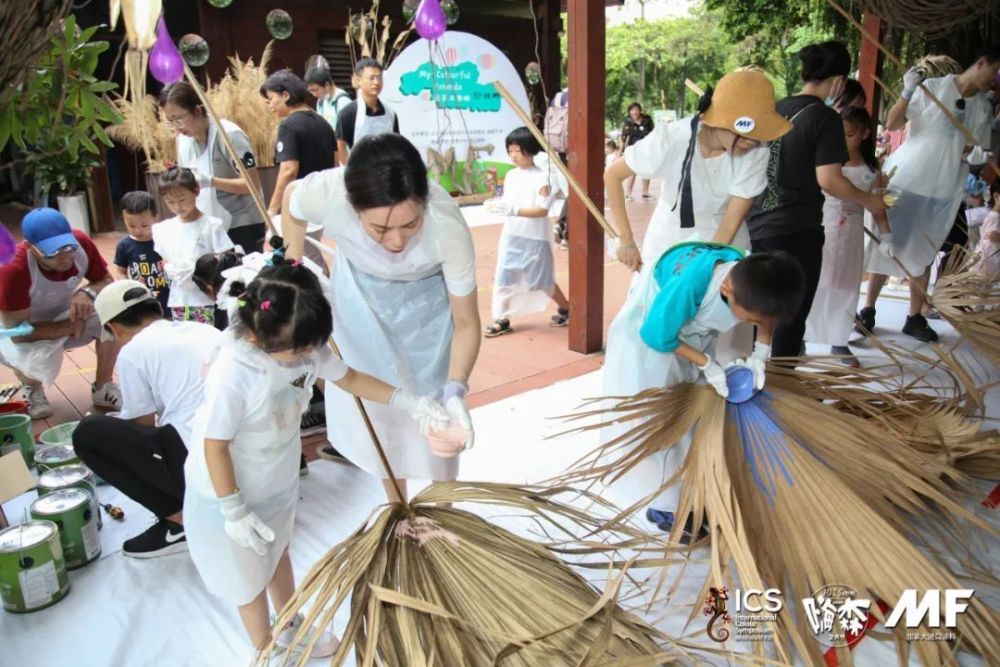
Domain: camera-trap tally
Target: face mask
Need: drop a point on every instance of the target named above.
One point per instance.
(831, 99)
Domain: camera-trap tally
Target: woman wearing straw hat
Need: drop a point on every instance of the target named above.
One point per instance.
(404, 297)
(712, 167)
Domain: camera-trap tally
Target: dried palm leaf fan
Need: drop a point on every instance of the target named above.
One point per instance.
(432, 584)
(27, 26)
(935, 66)
(970, 301)
(797, 494)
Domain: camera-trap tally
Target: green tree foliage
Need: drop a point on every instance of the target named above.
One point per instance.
(647, 61)
(57, 117)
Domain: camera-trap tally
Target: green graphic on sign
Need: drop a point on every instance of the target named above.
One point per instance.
(452, 87)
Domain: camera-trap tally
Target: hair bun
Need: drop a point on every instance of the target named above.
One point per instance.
(237, 288)
(705, 101)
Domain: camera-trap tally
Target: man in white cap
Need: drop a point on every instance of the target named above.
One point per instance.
(161, 367)
(44, 308)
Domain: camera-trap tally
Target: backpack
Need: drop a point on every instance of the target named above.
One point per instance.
(557, 122)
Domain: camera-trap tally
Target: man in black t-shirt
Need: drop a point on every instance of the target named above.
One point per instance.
(306, 142)
(377, 118)
(788, 215)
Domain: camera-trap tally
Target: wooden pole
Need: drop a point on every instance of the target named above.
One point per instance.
(586, 146)
(870, 64)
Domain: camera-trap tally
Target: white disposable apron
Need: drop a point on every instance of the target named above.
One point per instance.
(42, 360)
(265, 456)
(190, 155)
(365, 125)
(399, 331)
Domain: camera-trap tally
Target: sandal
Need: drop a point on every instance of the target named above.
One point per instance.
(560, 319)
(498, 328)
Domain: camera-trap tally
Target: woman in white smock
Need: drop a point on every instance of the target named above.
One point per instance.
(404, 296)
(929, 180)
(224, 194)
(242, 470)
(734, 120)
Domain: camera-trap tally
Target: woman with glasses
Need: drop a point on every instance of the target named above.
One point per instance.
(224, 194)
(404, 298)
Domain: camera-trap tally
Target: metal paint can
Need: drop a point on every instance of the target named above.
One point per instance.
(15, 434)
(70, 510)
(76, 476)
(32, 570)
(55, 456)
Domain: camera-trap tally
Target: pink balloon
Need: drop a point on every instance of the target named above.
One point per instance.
(165, 61)
(7, 246)
(430, 20)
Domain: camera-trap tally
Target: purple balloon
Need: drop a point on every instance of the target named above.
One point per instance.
(7, 246)
(430, 20)
(165, 61)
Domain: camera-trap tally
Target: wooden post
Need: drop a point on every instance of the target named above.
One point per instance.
(551, 26)
(870, 63)
(102, 212)
(586, 148)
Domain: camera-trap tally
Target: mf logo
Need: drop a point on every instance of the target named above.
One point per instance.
(956, 601)
(744, 124)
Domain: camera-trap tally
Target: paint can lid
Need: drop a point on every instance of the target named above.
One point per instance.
(739, 379)
(25, 536)
(65, 476)
(54, 454)
(61, 501)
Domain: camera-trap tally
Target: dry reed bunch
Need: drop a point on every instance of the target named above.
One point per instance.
(237, 98)
(796, 495)
(431, 584)
(143, 129)
(367, 36)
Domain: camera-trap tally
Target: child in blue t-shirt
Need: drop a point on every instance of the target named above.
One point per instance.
(135, 258)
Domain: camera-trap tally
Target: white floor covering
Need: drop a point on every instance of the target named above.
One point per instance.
(126, 612)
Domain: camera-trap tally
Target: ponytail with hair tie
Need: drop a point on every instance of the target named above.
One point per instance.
(705, 100)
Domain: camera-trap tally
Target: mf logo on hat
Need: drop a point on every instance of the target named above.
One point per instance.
(744, 124)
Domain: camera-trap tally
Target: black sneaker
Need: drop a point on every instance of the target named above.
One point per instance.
(864, 321)
(327, 452)
(313, 422)
(665, 522)
(303, 466)
(917, 327)
(161, 539)
(846, 356)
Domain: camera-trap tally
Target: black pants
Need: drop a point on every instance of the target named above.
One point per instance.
(249, 237)
(958, 239)
(807, 248)
(143, 462)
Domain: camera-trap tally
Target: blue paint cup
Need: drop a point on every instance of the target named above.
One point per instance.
(739, 379)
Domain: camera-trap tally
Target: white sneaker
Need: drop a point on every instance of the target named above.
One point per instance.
(38, 404)
(324, 647)
(107, 396)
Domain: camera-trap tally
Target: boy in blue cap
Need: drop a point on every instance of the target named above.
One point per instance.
(42, 287)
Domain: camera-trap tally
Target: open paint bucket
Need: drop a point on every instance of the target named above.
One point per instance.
(58, 435)
(14, 407)
(70, 510)
(77, 476)
(32, 570)
(15, 434)
(55, 456)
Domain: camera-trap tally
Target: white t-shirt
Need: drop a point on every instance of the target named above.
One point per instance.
(522, 188)
(713, 180)
(443, 243)
(161, 371)
(180, 244)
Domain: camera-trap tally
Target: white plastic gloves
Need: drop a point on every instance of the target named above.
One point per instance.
(715, 376)
(425, 411)
(243, 526)
(757, 362)
(911, 80)
(498, 206)
(885, 244)
(203, 180)
(978, 156)
(458, 413)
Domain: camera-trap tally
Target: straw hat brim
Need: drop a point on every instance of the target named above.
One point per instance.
(768, 126)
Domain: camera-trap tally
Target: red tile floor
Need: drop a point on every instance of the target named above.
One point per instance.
(534, 356)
